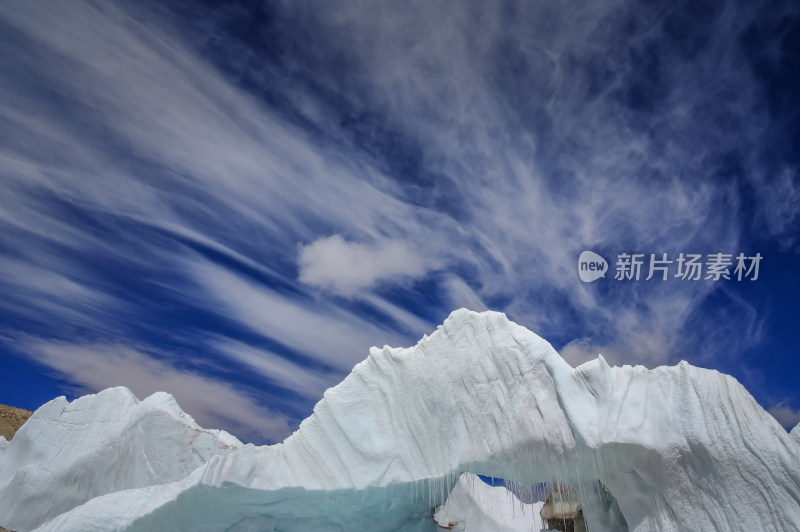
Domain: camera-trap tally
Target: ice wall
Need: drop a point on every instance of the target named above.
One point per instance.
(678, 447)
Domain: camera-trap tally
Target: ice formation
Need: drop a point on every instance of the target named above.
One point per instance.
(796, 433)
(69, 453)
(674, 448)
(474, 506)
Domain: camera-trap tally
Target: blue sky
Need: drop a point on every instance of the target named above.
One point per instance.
(232, 202)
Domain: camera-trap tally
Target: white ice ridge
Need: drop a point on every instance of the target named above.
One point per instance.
(69, 453)
(796, 433)
(679, 448)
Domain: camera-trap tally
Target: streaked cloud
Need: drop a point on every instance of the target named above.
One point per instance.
(213, 404)
(304, 380)
(322, 331)
(165, 183)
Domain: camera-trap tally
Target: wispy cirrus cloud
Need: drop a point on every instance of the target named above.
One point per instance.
(557, 130)
(211, 403)
(320, 330)
(310, 382)
(169, 179)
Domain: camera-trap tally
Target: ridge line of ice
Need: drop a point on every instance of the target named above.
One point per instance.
(676, 446)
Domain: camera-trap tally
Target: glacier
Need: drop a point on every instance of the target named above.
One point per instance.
(673, 448)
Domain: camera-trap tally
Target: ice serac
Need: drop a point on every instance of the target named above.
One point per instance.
(674, 448)
(796, 433)
(68, 453)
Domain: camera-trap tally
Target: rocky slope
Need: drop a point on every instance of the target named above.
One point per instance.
(11, 419)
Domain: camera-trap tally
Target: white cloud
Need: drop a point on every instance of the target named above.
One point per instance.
(782, 193)
(462, 296)
(579, 351)
(38, 292)
(324, 332)
(345, 268)
(285, 373)
(94, 367)
(406, 321)
(788, 417)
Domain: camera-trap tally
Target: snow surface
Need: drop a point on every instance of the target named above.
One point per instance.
(796, 433)
(474, 506)
(679, 448)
